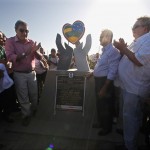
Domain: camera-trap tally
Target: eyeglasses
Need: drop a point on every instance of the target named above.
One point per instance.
(137, 26)
(23, 30)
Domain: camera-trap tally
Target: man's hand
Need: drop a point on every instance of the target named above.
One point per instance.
(89, 75)
(21, 56)
(102, 92)
(120, 45)
(36, 46)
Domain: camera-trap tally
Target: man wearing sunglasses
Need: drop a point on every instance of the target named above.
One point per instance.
(134, 75)
(21, 51)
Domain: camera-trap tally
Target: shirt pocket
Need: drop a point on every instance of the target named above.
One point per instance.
(103, 60)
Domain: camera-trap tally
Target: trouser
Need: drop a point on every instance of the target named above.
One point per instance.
(132, 118)
(6, 103)
(104, 104)
(120, 115)
(146, 122)
(26, 88)
(8, 100)
(12, 95)
(116, 101)
(40, 82)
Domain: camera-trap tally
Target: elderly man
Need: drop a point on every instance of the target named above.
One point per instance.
(104, 73)
(21, 52)
(134, 74)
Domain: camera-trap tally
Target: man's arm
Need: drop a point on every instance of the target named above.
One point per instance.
(105, 87)
(10, 51)
(122, 47)
(131, 56)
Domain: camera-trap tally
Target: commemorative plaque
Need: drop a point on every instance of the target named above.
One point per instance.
(70, 92)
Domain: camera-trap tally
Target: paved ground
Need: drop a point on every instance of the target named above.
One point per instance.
(40, 134)
(66, 130)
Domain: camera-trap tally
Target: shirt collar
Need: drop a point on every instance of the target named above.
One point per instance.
(139, 41)
(107, 47)
(142, 37)
(17, 40)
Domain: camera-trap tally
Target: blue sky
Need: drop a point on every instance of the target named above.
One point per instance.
(47, 17)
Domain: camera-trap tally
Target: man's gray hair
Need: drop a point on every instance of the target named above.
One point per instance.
(20, 22)
(145, 20)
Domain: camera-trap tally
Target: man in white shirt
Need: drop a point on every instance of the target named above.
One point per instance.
(134, 75)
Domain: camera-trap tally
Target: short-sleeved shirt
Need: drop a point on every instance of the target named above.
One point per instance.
(107, 63)
(14, 47)
(135, 79)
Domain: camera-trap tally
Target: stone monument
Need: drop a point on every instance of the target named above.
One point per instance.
(66, 89)
(73, 33)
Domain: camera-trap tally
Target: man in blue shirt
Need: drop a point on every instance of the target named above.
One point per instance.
(104, 73)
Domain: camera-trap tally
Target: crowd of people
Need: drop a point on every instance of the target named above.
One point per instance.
(122, 72)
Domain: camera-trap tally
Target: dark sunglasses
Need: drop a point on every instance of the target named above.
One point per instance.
(22, 31)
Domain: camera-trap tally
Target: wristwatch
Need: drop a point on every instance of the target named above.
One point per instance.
(23, 54)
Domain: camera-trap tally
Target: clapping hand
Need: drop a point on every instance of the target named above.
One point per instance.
(89, 75)
(36, 46)
(120, 45)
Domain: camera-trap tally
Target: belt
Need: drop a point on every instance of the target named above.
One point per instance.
(24, 71)
(105, 77)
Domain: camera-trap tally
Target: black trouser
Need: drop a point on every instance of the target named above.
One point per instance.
(40, 82)
(104, 104)
(8, 100)
(146, 122)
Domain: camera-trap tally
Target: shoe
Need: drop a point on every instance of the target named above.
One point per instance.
(103, 132)
(1, 146)
(33, 113)
(26, 121)
(120, 147)
(96, 125)
(115, 120)
(119, 131)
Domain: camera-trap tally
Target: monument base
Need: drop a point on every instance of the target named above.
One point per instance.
(47, 104)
